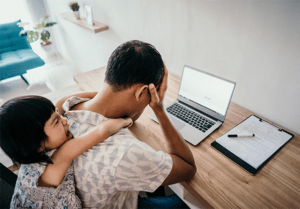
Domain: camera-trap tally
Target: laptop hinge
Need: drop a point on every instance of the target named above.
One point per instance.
(203, 113)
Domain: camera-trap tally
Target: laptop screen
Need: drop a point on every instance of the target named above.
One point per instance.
(206, 90)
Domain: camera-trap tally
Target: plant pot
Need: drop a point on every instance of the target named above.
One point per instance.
(45, 43)
(77, 14)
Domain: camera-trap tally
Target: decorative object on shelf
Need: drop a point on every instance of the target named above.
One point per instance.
(96, 28)
(75, 7)
(89, 15)
(33, 36)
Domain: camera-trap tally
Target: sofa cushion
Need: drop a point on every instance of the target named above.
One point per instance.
(13, 44)
(11, 28)
(10, 39)
(16, 62)
(16, 54)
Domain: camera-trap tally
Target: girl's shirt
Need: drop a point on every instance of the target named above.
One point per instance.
(28, 195)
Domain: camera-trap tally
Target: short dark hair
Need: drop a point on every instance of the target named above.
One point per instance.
(134, 62)
(22, 122)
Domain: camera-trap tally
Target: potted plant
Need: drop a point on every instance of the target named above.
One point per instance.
(32, 36)
(75, 7)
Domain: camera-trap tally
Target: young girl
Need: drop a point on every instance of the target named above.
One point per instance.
(35, 135)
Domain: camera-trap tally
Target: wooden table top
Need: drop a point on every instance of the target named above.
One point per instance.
(219, 182)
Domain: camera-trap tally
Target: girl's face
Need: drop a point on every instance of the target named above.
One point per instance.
(56, 129)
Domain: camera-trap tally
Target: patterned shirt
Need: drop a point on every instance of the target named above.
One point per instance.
(28, 195)
(111, 174)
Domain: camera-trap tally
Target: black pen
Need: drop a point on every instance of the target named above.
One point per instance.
(240, 135)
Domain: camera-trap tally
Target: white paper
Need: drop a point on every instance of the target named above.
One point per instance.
(254, 150)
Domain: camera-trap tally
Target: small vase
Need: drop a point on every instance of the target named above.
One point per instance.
(77, 14)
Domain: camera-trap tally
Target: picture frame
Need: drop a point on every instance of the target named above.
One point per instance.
(88, 15)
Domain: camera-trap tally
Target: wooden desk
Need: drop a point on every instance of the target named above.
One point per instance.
(220, 183)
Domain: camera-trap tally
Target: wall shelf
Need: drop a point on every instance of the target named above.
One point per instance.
(96, 28)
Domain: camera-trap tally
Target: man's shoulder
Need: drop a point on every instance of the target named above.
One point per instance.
(73, 101)
(115, 146)
(125, 135)
(126, 139)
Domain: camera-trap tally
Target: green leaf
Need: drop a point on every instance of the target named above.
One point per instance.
(45, 35)
(49, 24)
(74, 6)
(46, 17)
(32, 36)
(40, 25)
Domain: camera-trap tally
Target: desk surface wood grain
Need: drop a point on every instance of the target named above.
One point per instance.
(219, 182)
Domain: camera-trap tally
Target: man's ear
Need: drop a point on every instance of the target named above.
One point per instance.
(140, 91)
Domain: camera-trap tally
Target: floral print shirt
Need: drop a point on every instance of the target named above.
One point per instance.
(27, 194)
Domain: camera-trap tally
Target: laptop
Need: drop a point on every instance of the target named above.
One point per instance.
(201, 105)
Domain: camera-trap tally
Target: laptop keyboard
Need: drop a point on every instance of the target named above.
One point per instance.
(190, 117)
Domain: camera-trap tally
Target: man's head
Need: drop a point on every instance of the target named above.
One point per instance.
(134, 62)
(130, 69)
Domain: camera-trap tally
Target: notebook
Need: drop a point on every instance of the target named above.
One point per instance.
(201, 105)
(253, 153)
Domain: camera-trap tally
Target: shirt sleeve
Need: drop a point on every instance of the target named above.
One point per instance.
(142, 168)
(69, 103)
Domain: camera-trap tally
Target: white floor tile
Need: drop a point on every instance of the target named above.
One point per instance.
(56, 74)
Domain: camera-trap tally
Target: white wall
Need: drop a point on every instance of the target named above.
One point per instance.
(254, 43)
(13, 10)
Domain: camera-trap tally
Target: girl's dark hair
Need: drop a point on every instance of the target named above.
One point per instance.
(22, 122)
(134, 62)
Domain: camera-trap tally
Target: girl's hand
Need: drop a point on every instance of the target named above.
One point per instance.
(112, 126)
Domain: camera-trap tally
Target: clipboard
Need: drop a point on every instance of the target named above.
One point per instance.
(253, 153)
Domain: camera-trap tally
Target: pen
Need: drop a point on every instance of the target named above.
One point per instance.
(241, 135)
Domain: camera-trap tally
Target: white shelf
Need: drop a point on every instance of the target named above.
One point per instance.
(96, 28)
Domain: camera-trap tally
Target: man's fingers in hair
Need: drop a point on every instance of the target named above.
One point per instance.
(164, 84)
(154, 96)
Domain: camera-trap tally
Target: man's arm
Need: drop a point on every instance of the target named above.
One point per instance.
(60, 102)
(184, 167)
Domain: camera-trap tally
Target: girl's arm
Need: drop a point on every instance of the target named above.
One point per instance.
(66, 153)
(86, 94)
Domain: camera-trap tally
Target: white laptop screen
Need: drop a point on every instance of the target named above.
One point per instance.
(206, 90)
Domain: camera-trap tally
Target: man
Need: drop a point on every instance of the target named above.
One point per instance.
(111, 174)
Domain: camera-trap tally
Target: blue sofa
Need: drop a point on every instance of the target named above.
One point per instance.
(16, 54)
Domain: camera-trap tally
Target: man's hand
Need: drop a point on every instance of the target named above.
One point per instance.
(157, 98)
(184, 167)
